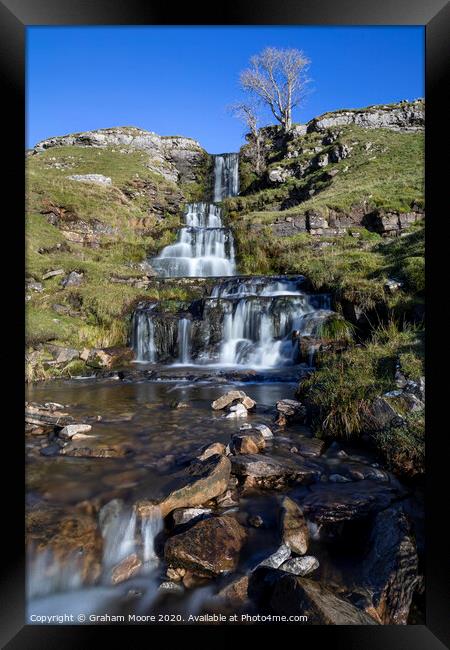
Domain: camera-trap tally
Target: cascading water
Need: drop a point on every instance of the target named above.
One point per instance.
(260, 320)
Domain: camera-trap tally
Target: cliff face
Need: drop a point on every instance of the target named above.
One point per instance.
(176, 158)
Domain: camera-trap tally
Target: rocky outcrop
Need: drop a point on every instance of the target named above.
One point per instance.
(176, 158)
(406, 116)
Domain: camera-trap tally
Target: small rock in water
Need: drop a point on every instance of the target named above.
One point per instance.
(300, 566)
(256, 521)
(179, 405)
(175, 574)
(338, 478)
(278, 558)
(247, 443)
(238, 411)
(263, 429)
(125, 569)
(294, 528)
(70, 430)
(171, 586)
(233, 396)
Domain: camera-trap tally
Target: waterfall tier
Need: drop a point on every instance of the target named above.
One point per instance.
(204, 247)
(244, 322)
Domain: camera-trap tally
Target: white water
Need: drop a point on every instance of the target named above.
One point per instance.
(204, 247)
(52, 582)
(184, 341)
(143, 335)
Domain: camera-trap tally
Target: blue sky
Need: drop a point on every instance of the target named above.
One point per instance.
(179, 80)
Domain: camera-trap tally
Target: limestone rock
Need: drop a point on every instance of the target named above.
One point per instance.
(300, 566)
(276, 559)
(230, 397)
(98, 179)
(70, 430)
(211, 450)
(184, 515)
(273, 472)
(210, 547)
(127, 568)
(247, 443)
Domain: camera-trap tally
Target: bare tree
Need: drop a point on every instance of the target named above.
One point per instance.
(278, 78)
(247, 112)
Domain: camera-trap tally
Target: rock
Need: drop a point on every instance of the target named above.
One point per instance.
(203, 480)
(338, 478)
(248, 443)
(179, 405)
(230, 397)
(175, 574)
(171, 587)
(70, 430)
(390, 568)
(106, 357)
(41, 415)
(74, 279)
(300, 566)
(256, 521)
(211, 450)
(294, 529)
(271, 472)
(263, 429)
(398, 117)
(52, 274)
(276, 559)
(99, 451)
(209, 548)
(235, 594)
(392, 286)
(310, 446)
(91, 178)
(127, 568)
(193, 581)
(293, 595)
(34, 286)
(290, 410)
(183, 515)
(237, 411)
(50, 450)
(339, 502)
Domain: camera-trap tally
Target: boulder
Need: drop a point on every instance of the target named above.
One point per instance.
(294, 529)
(74, 279)
(235, 594)
(98, 179)
(271, 472)
(209, 548)
(247, 443)
(300, 566)
(293, 595)
(202, 481)
(290, 410)
(125, 569)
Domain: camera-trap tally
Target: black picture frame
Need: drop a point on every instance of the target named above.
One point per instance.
(15, 16)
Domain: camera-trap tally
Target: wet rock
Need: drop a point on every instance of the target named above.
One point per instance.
(179, 405)
(338, 478)
(210, 547)
(273, 472)
(70, 430)
(211, 450)
(301, 566)
(203, 480)
(100, 451)
(184, 515)
(310, 446)
(193, 581)
(235, 594)
(41, 415)
(293, 595)
(127, 568)
(237, 411)
(276, 559)
(263, 430)
(175, 574)
(294, 529)
(256, 521)
(338, 502)
(247, 443)
(290, 410)
(390, 568)
(230, 397)
(51, 450)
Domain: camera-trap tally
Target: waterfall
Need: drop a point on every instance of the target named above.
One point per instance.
(143, 335)
(184, 341)
(226, 175)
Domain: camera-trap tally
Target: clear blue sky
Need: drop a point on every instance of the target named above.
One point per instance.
(179, 80)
